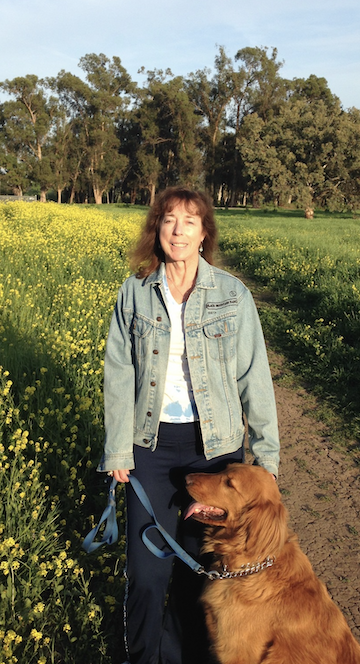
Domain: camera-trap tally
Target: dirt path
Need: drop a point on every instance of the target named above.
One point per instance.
(321, 489)
(320, 485)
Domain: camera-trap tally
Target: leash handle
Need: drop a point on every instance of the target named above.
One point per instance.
(111, 533)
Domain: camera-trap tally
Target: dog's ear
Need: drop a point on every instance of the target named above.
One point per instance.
(265, 527)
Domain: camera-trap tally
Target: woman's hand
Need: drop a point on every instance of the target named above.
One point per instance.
(121, 475)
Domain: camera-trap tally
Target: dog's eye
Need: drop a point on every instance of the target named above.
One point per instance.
(229, 482)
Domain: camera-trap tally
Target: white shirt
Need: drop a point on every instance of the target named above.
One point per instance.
(178, 403)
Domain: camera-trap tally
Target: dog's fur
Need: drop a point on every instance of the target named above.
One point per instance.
(282, 614)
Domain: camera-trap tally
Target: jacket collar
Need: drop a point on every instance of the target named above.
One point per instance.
(205, 276)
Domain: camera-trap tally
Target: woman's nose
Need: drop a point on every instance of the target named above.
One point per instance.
(178, 228)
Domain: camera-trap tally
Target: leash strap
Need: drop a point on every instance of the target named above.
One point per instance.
(176, 549)
(110, 534)
(111, 531)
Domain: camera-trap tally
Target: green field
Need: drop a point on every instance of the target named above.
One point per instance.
(60, 268)
(312, 269)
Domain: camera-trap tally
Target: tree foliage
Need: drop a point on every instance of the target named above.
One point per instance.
(240, 130)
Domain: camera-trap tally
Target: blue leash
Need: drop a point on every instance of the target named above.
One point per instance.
(110, 534)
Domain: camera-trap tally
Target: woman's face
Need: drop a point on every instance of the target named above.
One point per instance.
(181, 234)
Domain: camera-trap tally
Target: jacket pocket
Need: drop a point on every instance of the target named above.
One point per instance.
(141, 331)
(140, 327)
(220, 338)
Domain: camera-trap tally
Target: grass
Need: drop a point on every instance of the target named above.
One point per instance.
(311, 269)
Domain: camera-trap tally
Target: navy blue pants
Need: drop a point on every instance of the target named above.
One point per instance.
(164, 623)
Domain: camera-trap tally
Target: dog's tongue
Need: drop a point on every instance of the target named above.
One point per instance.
(197, 508)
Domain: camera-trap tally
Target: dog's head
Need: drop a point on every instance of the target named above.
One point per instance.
(242, 505)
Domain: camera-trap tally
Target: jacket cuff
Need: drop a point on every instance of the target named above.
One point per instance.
(115, 462)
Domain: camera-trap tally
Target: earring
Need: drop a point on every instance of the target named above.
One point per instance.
(201, 249)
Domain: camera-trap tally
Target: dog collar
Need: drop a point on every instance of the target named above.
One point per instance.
(245, 570)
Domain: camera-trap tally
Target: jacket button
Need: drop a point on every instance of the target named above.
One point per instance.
(152, 383)
(149, 413)
(159, 318)
(156, 352)
(146, 441)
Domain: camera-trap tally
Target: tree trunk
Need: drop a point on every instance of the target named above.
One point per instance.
(152, 194)
(256, 200)
(97, 195)
(43, 196)
(234, 193)
(59, 192)
(76, 175)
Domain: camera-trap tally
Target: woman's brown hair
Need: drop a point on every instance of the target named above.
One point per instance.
(148, 253)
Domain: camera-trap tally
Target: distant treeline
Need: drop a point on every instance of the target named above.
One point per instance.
(240, 131)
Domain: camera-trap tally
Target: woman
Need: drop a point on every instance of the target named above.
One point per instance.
(185, 361)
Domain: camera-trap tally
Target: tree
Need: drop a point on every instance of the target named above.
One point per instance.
(268, 177)
(313, 89)
(13, 172)
(27, 124)
(311, 133)
(59, 154)
(263, 89)
(351, 158)
(161, 132)
(211, 98)
(240, 130)
(93, 109)
(258, 89)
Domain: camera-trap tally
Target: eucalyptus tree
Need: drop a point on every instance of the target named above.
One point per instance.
(13, 172)
(144, 122)
(351, 157)
(267, 176)
(161, 135)
(224, 101)
(94, 107)
(73, 95)
(301, 152)
(28, 120)
(262, 90)
(259, 89)
(311, 130)
(60, 145)
(211, 98)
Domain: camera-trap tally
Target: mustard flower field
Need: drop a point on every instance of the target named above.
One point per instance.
(60, 269)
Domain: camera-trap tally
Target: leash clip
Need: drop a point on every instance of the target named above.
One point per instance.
(212, 575)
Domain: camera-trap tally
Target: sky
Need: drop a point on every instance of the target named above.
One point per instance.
(320, 37)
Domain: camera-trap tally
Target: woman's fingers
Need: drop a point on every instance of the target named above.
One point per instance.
(121, 475)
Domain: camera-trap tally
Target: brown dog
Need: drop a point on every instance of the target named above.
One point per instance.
(278, 612)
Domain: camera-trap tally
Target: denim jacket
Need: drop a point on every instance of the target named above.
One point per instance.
(228, 366)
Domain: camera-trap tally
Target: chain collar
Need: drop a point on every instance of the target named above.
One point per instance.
(245, 570)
